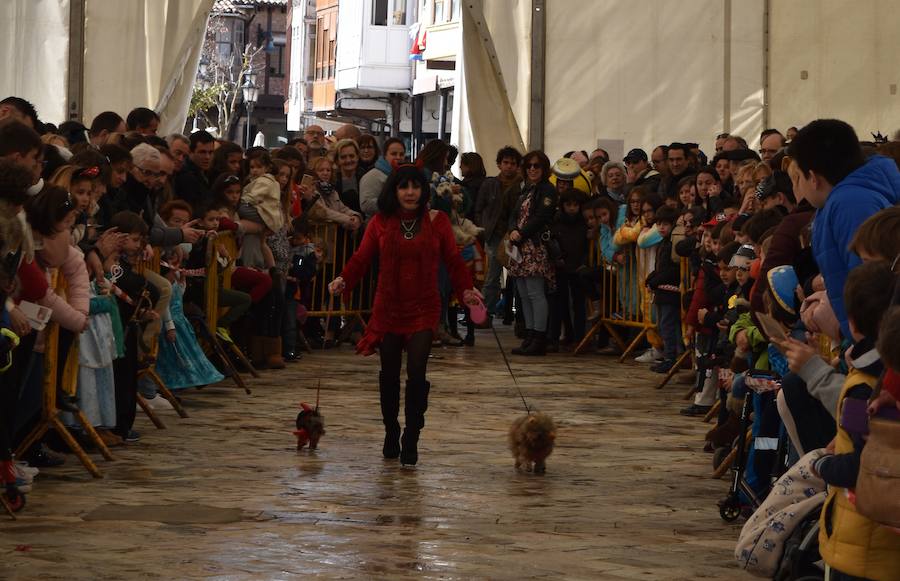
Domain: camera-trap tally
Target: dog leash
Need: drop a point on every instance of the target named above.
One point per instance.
(509, 368)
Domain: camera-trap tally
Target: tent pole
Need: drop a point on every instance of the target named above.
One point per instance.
(75, 82)
(538, 66)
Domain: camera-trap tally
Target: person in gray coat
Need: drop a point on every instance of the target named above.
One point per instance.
(495, 201)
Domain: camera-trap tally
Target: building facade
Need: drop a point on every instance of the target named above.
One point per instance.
(387, 66)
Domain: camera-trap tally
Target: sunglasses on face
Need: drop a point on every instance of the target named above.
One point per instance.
(532, 166)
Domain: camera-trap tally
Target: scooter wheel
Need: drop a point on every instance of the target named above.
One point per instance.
(729, 510)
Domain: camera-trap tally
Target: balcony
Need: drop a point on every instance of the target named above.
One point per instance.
(373, 46)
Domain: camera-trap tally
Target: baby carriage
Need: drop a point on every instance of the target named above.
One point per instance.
(780, 540)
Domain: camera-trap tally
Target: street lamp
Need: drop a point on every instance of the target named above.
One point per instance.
(251, 95)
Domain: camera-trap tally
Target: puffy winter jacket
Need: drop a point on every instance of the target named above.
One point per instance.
(872, 187)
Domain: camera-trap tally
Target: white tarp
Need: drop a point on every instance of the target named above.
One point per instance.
(34, 42)
(482, 118)
(143, 53)
(137, 53)
(848, 52)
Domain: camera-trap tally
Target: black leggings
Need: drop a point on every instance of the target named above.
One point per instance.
(417, 347)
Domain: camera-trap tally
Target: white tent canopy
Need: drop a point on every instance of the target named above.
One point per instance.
(646, 72)
(135, 53)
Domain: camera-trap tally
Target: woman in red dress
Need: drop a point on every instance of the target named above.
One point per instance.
(410, 242)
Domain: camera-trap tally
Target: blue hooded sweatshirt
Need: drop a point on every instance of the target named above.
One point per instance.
(869, 189)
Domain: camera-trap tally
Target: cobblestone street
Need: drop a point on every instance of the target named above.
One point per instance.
(224, 494)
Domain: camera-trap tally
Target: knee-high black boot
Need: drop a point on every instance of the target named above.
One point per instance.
(390, 410)
(416, 404)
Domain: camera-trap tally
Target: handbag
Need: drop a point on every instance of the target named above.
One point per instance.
(878, 483)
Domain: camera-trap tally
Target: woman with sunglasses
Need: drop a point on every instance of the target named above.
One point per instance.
(530, 231)
(410, 242)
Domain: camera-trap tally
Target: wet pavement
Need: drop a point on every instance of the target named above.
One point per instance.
(225, 495)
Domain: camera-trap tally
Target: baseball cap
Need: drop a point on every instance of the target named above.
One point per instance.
(635, 155)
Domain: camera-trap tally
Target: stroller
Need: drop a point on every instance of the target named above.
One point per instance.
(801, 560)
(780, 539)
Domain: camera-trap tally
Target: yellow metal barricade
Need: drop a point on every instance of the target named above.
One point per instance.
(624, 303)
(335, 245)
(51, 375)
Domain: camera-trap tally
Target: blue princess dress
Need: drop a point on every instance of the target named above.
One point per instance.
(97, 348)
(183, 364)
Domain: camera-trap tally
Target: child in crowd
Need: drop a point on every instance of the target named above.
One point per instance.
(570, 231)
(598, 216)
(98, 347)
(181, 362)
(226, 192)
(135, 299)
(260, 206)
(195, 258)
(664, 283)
(79, 182)
(647, 241)
(304, 264)
(280, 245)
(687, 192)
(875, 552)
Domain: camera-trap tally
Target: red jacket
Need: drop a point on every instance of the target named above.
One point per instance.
(407, 299)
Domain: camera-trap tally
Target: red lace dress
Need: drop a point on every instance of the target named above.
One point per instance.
(406, 298)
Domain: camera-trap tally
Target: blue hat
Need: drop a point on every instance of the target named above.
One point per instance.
(783, 281)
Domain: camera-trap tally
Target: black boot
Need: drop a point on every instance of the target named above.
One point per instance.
(390, 409)
(538, 345)
(526, 343)
(416, 404)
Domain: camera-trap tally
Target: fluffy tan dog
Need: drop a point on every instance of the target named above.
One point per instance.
(531, 439)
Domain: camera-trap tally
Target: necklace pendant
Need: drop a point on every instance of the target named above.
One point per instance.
(408, 235)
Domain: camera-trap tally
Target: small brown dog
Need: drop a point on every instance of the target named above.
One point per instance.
(310, 427)
(531, 439)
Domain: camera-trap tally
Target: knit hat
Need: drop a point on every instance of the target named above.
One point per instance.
(783, 282)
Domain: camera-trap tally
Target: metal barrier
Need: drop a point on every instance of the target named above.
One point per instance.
(624, 301)
(335, 246)
(50, 419)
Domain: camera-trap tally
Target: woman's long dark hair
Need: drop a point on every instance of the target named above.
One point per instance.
(433, 155)
(48, 208)
(475, 163)
(220, 158)
(401, 176)
(542, 160)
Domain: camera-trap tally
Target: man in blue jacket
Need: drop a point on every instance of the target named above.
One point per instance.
(846, 189)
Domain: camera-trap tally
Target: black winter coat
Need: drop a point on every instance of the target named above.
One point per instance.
(665, 281)
(571, 234)
(543, 210)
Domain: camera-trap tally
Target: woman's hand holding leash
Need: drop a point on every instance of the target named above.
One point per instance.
(337, 286)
